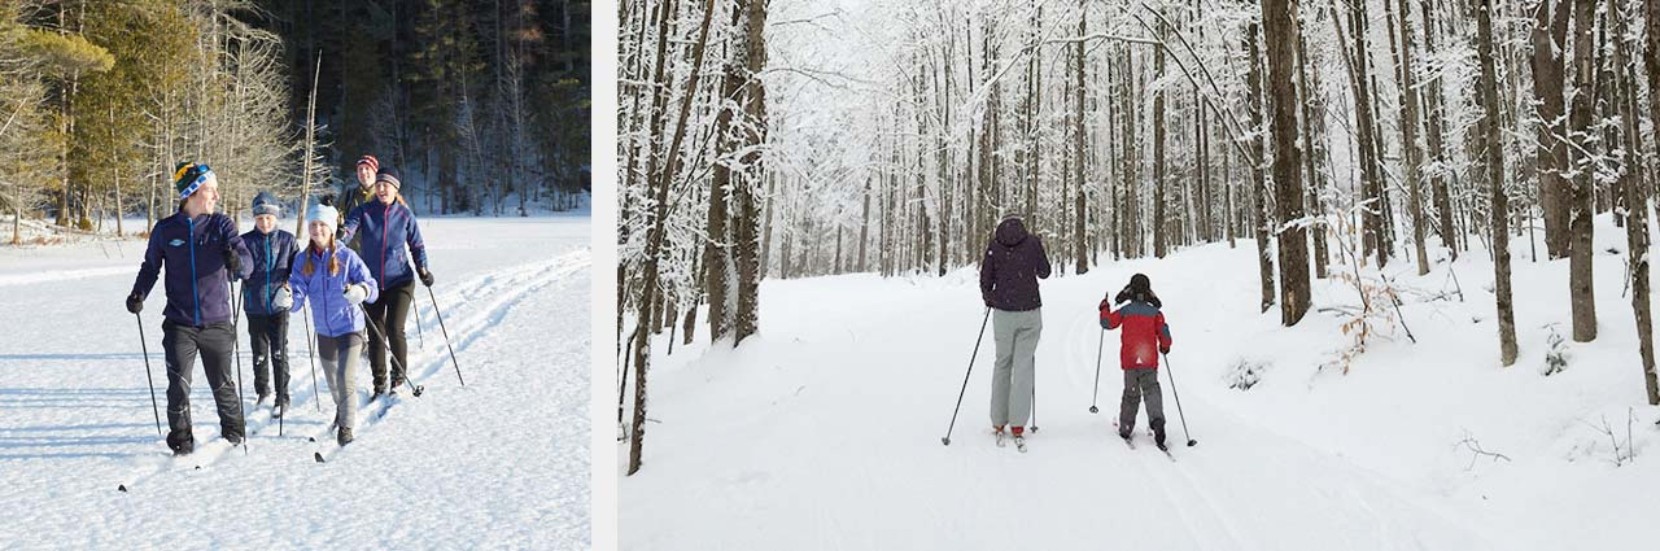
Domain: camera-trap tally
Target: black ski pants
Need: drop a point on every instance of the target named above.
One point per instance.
(182, 344)
(388, 316)
(269, 337)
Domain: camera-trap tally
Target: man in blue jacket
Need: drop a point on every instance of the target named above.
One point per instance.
(266, 298)
(201, 252)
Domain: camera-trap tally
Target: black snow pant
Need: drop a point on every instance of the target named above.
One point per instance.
(269, 335)
(388, 315)
(1139, 382)
(213, 343)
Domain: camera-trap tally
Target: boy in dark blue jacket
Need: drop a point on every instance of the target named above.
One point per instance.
(201, 253)
(266, 298)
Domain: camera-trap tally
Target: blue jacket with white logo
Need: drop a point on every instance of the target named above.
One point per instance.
(192, 251)
(273, 255)
(329, 309)
(386, 228)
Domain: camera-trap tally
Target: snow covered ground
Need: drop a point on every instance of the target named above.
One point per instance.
(823, 432)
(502, 463)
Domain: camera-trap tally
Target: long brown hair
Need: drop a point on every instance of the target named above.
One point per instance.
(334, 259)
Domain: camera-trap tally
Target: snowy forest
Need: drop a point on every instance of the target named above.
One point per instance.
(1351, 141)
(483, 107)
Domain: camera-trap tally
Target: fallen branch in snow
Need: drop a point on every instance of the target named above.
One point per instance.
(1620, 458)
(1477, 452)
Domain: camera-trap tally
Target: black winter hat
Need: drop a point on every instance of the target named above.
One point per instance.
(1140, 288)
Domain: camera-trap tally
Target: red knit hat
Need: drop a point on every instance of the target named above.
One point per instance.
(374, 164)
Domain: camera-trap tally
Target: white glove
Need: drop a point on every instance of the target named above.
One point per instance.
(283, 300)
(356, 293)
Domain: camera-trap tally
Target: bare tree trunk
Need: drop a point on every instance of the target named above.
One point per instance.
(654, 241)
(310, 148)
(755, 135)
(1259, 189)
(1581, 295)
(1312, 108)
(1636, 202)
(1409, 134)
(1129, 213)
(717, 250)
(1280, 34)
(1433, 116)
(1375, 236)
(1494, 158)
(1160, 224)
(1651, 62)
(1550, 34)
(864, 227)
(1079, 222)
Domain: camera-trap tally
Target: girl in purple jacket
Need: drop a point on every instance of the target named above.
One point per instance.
(338, 283)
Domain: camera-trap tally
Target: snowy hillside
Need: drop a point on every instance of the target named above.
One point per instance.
(503, 462)
(824, 431)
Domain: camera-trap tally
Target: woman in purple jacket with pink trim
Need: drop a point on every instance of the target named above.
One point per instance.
(388, 226)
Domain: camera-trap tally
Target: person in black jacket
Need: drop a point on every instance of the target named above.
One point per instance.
(1014, 261)
(266, 298)
(351, 196)
(201, 253)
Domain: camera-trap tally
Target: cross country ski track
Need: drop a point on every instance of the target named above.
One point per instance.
(827, 378)
(483, 303)
(76, 421)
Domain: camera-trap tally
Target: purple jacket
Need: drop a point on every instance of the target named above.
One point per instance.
(386, 229)
(332, 313)
(192, 250)
(1014, 262)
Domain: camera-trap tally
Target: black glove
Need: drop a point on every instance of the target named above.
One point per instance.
(1164, 350)
(426, 277)
(232, 261)
(135, 303)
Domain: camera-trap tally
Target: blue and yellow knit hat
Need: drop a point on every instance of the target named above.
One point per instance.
(189, 177)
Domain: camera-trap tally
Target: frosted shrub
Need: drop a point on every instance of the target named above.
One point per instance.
(1245, 374)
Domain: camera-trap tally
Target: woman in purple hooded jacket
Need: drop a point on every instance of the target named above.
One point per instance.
(337, 282)
(1014, 261)
(388, 230)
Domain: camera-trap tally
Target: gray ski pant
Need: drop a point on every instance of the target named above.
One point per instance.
(1138, 383)
(1012, 378)
(341, 356)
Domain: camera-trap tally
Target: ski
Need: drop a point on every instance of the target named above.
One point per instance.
(1128, 441)
(1164, 448)
(1000, 442)
(1020, 443)
(378, 408)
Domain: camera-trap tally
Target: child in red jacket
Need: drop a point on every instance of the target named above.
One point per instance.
(1145, 336)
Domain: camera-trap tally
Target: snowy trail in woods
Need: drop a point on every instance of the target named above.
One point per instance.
(502, 461)
(823, 432)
